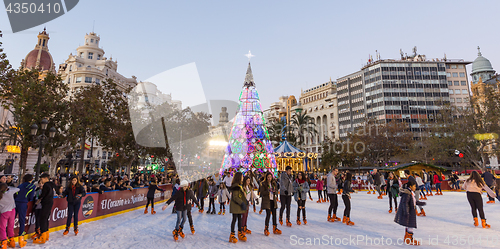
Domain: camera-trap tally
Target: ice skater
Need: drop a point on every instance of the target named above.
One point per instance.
(286, 192)
(346, 197)
(406, 215)
(237, 207)
(8, 215)
(319, 187)
(393, 190)
(250, 197)
(153, 187)
(300, 189)
(474, 187)
(331, 186)
(223, 198)
(181, 198)
(212, 193)
(269, 193)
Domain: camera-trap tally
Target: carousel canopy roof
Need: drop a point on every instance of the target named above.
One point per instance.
(285, 147)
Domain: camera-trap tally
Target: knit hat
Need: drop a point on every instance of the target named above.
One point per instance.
(184, 183)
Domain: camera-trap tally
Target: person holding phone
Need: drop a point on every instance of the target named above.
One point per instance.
(73, 194)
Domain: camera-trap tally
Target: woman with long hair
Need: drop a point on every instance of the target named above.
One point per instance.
(250, 197)
(346, 197)
(269, 193)
(300, 189)
(392, 190)
(73, 194)
(237, 207)
(474, 187)
(437, 181)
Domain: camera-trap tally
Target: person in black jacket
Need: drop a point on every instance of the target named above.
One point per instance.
(47, 200)
(181, 198)
(106, 185)
(346, 197)
(151, 196)
(188, 208)
(73, 193)
(406, 215)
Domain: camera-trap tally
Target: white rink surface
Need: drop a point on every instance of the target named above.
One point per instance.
(447, 216)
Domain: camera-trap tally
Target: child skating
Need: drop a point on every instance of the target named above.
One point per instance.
(406, 215)
(223, 198)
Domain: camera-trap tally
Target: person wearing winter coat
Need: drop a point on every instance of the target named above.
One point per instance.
(152, 188)
(490, 181)
(406, 215)
(26, 194)
(237, 207)
(331, 187)
(8, 216)
(319, 187)
(36, 210)
(250, 197)
(191, 200)
(300, 189)
(392, 191)
(200, 189)
(73, 194)
(427, 182)
(181, 198)
(369, 180)
(286, 192)
(377, 182)
(212, 193)
(47, 200)
(346, 197)
(420, 186)
(437, 181)
(269, 194)
(474, 187)
(223, 196)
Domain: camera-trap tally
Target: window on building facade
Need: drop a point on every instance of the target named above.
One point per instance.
(91, 40)
(97, 81)
(81, 55)
(454, 74)
(452, 100)
(106, 72)
(461, 66)
(88, 79)
(450, 83)
(98, 57)
(448, 74)
(332, 115)
(462, 75)
(457, 91)
(456, 83)
(450, 91)
(90, 56)
(447, 66)
(70, 67)
(463, 83)
(453, 66)
(78, 79)
(464, 91)
(459, 100)
(69, 80)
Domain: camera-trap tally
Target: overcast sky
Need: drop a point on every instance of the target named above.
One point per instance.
(297, 44)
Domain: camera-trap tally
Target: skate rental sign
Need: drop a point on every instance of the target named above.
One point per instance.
(94, 205)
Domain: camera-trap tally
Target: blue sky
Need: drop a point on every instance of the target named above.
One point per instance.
(298, 44)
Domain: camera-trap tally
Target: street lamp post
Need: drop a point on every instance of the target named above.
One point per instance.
(41, 140)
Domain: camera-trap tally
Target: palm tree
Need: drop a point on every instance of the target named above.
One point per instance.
(303, 124)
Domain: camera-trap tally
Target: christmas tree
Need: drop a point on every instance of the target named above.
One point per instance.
(249, 146)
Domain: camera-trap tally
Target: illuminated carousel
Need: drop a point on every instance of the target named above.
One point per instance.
(288, 155)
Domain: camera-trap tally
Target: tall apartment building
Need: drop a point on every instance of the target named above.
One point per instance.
(320, 103)
(410, 89)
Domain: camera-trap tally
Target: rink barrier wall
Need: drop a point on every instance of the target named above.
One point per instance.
(364, 186)
(94, 206)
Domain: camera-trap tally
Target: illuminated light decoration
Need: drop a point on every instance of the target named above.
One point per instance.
(249, 144)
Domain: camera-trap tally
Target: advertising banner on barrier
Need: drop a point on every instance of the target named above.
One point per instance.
(94, 205)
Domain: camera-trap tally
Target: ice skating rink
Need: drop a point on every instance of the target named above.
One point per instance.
(448, 224)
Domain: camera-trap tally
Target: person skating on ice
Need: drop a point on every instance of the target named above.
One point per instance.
(407, 215)
(26, 194)
(393, 190)
(237, 207)
(47, 200)
(346, 197)
(73, 194)
(189, 206)
(474, 187)
(8, 215)
(319, 187)
(153, 187)
(212, 193)
(223, 196)
(286, 192)
(300, 190)
(269, 193)
(417, 191)
(377, 182)
(331, 187)
(250, 197)
(181, 198)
